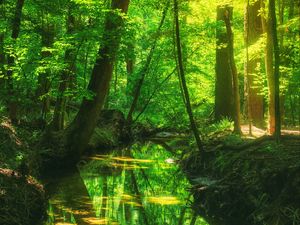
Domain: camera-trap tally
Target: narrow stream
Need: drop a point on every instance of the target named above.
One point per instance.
(142, 185)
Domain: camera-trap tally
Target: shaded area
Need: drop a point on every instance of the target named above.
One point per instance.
(22, 199)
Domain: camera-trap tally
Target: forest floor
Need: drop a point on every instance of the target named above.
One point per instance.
(257, 132)
(253, 181)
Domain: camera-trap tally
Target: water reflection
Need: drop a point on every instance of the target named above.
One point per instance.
(139, 186)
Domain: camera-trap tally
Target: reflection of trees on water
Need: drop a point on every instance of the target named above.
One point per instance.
(127, 188)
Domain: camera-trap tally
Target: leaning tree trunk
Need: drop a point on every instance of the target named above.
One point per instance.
(81, 129)
(16, 24)
(253, 31)
(183, 82)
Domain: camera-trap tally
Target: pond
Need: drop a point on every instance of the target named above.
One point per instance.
(142, 185)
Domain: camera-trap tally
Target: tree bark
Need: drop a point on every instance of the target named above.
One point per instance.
(81, 129)
(253, 31)
(276, 75)
(266, 24)
(16, 24)
(183, 82)
(233, 71)
(224, 102)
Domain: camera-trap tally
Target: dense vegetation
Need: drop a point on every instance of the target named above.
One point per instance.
(79, 75)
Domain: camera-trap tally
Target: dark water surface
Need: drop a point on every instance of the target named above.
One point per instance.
(139, 186)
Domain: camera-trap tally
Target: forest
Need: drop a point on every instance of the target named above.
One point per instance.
(148, 112)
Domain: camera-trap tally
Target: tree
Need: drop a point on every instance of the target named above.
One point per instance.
(82, 127)
(223, 83)
(266, 24)
(272, 14)
(233, 71)
(183, 85)
(227, 100)
(253, 31)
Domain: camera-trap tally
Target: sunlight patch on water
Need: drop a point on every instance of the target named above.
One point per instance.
(164, 200)
(125, 188)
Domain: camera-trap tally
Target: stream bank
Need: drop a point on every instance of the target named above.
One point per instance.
(257, 183)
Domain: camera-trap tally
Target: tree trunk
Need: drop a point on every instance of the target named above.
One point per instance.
(266, 24)
(253, 31)
(233, 71)
(16, 24)
(183, 82)
(81, 129)
(272, 14)
(224, 102)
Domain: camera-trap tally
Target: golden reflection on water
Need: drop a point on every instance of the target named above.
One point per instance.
(121, 190)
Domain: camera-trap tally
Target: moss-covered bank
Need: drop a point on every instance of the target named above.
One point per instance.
(253, 183)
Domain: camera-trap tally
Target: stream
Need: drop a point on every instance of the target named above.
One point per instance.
(142, 185)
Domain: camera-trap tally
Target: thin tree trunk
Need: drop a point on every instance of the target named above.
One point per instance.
(272, 14)
(145, 69)
(233, 70)
(16, 24)
(81, 129)
(266, 24)
(183, 82)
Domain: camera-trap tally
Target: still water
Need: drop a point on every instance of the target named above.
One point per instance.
(142, 185)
